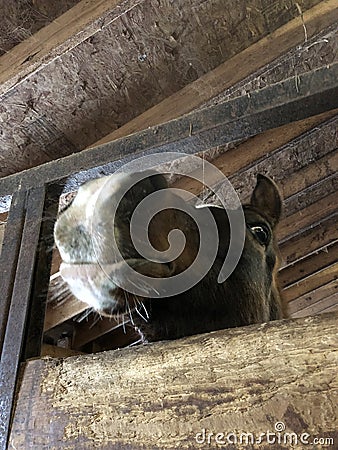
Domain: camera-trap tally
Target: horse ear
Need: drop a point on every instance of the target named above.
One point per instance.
(267, 198)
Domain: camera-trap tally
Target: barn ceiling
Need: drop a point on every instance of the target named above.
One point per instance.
(103, 63)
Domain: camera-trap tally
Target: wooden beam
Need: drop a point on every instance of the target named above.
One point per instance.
(253, 150)
(59, 313)
(294, 273)
(325, 291)
(57, 352)
(308, 216)
(325, 164)
(311, 282)
(174, 394)
(60, 36)
(315, 301)
(233, 70)
(85, 333)
(310, 240)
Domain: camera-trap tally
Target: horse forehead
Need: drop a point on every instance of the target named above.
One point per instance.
(92, 196)
(252, 215)
(105, 186)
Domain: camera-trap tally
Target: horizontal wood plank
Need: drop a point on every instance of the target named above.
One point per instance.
(310, 240)
(308, 216)
(309, 265)
(327, 290)
(162, 395)
(320, 307)
(311, 282)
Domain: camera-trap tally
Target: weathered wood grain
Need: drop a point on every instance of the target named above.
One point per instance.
(292, 165)
(307, 216)
(255, 149)
(315, 301)
(57, 352)
(308, 265)
(160, 396)
(311, 282)
(299, 305)
(310, 240)
(60, 36)
(57, 313)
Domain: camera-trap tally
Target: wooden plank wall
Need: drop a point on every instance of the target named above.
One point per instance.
(307, 233)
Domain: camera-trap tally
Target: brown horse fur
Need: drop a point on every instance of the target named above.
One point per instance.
(250, 295)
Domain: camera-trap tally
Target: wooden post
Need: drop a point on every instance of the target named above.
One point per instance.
(199, 392)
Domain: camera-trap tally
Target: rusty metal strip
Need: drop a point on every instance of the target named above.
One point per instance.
(40, 285)
(15, 329)
(292, 99)
(9, 256)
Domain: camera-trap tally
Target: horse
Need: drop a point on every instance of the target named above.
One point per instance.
(85, 230)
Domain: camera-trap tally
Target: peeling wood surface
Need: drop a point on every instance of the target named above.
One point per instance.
(120, 62)
(160, 396)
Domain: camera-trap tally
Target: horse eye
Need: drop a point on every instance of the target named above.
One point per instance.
(261, 233)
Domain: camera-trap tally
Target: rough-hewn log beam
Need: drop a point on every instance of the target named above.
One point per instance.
(163, 395)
